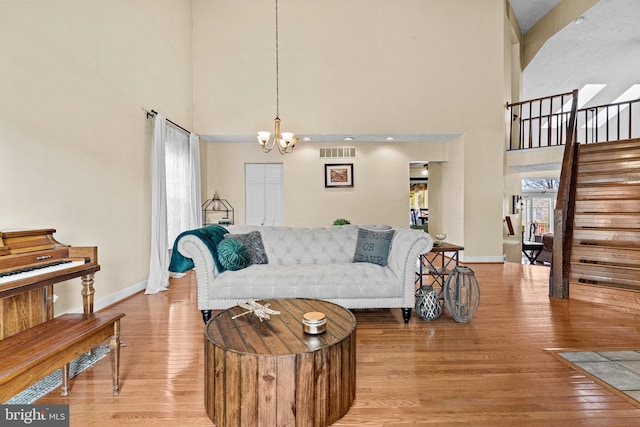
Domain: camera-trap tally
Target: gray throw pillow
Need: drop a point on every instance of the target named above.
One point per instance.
(373, 246)
(253, 242)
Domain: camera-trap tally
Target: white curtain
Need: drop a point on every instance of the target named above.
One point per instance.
(195, 198)
(175, 198)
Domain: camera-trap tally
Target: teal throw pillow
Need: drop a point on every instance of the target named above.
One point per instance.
(373, 246)
(233, 255)
(253, 242)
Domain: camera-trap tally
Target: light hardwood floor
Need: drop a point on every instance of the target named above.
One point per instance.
(493, 371)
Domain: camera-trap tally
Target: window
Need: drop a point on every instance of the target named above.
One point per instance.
(178, 181)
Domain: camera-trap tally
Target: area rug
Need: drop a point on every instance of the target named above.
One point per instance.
(617, 370)
(53, 381)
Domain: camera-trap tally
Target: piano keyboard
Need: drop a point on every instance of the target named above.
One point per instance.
(38, 270)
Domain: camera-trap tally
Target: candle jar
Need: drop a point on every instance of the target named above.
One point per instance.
(314, 322)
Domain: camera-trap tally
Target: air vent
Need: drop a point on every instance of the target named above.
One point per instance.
(338, 153)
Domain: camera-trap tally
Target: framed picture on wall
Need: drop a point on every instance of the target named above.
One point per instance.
(338, 175)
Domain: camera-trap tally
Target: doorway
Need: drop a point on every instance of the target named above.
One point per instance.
(263, 193)
(419, 194)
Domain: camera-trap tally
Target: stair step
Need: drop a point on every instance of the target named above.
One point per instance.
(620, 176)
(609, 146)
(613, 164)
(581, 235)
(603, 274)
(605, 255)
(604, 284)
(629, 154)
(607, 220)
(602, 205)
(613, 244)
(610, 191)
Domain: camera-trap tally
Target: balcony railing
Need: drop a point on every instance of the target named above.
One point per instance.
(543, 122)
(611, 122)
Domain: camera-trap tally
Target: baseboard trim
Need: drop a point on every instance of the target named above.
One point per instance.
(480, 259)
(115, 297)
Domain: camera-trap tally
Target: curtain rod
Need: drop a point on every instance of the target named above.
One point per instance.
(153, 113)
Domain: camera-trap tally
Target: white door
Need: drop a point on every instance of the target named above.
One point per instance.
(263, 192)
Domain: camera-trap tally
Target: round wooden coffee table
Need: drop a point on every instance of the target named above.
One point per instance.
(272, 373)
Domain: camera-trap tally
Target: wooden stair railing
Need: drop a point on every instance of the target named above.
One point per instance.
(563, 213)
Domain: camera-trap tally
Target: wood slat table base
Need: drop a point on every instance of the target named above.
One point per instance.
(272, 373)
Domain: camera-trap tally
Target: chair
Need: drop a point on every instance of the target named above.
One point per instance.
(414, 217)
(546, 255)
(424, 215)
(531, 249)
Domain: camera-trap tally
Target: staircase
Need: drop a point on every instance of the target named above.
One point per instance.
(605, 250)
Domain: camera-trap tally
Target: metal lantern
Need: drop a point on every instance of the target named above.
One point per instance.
(428, 304)
(462, 293)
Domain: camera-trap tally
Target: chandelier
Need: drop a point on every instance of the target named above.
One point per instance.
(285, 141)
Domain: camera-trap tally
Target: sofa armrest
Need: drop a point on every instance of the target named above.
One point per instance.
(192, 247)
(407, 245)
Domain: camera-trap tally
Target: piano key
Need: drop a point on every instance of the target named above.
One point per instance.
(39, 271)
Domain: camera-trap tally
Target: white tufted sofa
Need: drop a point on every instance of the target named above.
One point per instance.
(311, 263)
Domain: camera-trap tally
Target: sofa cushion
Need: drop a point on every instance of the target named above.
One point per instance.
(253, 242)
(233, 255)
(362, 280)
(310, 246)
(373, 246)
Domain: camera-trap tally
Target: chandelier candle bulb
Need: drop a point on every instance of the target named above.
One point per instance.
(314, 322)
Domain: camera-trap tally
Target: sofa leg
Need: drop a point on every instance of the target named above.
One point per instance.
(406, 314)
(206, 315)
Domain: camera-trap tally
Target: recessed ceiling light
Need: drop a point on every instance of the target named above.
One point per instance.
(306, 138)
(389, 138)
(348, 138)
(579, 20)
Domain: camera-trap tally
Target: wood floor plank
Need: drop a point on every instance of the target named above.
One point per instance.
(492, 371)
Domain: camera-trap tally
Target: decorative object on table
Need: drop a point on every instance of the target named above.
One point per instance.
(440, 238)
(217, 211)
(285, 141)
(262, 312)
(314, 322)
(341, 221)
(338, 175)
(462, 293)
(428, 304)
(215, 201)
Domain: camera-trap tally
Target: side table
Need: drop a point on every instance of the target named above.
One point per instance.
(268, 373)
(438, 263)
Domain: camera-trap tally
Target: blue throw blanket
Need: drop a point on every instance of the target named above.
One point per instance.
(210, 236)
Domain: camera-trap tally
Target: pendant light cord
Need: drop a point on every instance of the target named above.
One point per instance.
(277, 67)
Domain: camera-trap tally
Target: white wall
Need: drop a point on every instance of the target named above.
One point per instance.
(363, 66)
(74, 142)
(375, 198)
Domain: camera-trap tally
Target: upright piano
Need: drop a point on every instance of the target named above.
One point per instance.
(31, 262)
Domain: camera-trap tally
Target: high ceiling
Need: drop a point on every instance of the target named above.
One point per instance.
(602, 48)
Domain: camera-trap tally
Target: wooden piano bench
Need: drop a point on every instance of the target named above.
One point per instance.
(34, 353)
